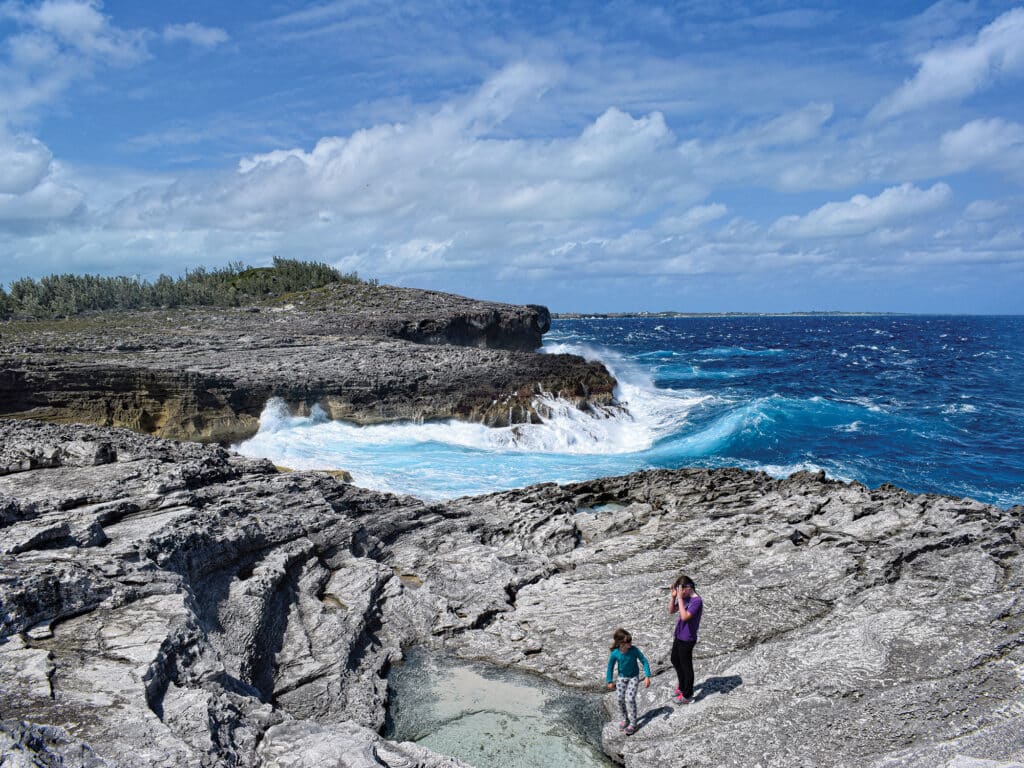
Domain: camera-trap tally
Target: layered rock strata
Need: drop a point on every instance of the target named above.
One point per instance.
(178, 605)
(366, 354)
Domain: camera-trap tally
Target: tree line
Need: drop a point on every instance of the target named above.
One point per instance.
(230, 286)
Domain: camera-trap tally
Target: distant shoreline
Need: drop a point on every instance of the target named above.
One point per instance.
(620, 315)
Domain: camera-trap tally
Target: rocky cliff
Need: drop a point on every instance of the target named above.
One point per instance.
(173, 604)
(365, 353)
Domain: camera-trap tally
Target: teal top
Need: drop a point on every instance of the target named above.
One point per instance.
(627, 663)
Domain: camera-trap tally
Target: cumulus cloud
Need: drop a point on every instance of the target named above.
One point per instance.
(446, 171)
(956, 71)
(25, 162)
(862, 214)
(30, 188)
(196, 34)
(46, 201)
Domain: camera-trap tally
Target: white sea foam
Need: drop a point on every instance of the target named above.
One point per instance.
(863, 402)
(855, 426)
(958, 408)
(644, 415)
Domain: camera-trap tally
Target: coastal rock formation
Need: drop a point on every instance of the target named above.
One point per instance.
(364, 353)
(178, 605)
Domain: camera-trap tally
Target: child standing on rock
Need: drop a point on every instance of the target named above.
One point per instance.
(688, 603)
(627, 657)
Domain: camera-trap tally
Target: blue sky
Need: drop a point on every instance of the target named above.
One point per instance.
(711, 156)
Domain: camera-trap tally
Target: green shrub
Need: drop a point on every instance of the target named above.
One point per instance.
(233, 285)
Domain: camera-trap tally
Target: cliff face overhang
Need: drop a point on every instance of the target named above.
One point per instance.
(177, 604)
(364, 354)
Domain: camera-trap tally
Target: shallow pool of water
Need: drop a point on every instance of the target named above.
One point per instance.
(493, 717)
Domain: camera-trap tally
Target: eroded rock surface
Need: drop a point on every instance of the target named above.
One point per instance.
(176, 604)
(365, 353)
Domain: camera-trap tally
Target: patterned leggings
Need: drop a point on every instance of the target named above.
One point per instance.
(625, 692)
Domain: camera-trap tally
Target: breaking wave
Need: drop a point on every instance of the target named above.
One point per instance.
(745, 392)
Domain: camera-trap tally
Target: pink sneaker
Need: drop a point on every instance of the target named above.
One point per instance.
(680, 699)
(622, 725)
(630, 730)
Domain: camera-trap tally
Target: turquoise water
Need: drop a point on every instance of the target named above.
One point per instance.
(492, 717)
(932, 404)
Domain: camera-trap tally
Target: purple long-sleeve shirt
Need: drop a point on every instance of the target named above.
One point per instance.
(687, 630)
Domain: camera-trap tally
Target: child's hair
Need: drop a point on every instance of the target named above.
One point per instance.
(621, 636)
(685, 581)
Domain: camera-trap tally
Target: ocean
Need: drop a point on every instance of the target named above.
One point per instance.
(929, 403)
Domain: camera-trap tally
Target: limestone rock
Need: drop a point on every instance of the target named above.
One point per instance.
(176, 604)
(366, 354)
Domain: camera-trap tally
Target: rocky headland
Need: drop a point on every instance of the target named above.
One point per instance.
(174, 604)
(365, 353)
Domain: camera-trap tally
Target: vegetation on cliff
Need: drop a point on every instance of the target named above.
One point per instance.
(230, 286)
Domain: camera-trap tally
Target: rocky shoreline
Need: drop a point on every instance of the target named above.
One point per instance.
(365, 353)
(168, 603)
(174, 604)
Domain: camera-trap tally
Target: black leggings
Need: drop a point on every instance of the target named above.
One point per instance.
(682, 660)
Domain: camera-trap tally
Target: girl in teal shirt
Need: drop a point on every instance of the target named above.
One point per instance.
(628, 658)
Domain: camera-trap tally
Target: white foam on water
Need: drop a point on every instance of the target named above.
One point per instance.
(952, 408)
(444, 458)
(785, 470)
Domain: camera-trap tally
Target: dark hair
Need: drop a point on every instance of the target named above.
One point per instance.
(621, 636)
(684, 581)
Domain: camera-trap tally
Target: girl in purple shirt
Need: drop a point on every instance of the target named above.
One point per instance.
(687, 602)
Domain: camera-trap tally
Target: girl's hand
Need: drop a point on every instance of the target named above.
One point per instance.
(647, 682)
(611, 686)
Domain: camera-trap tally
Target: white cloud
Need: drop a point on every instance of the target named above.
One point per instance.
(788, 150)
(46, 201)
(59, 42)
(616, 140)
(956, 71)
(942, 20)
(693, 219)
(446, 171)
(82, 26)
(985, 210)
(985, 142)
(25, 162)
(196, 34)
(862, 214)
(30, 187)
(794, 127)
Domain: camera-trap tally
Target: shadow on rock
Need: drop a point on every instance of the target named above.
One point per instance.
(717, 685)
(652, 714)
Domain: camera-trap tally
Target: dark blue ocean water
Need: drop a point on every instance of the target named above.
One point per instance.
(932, 404)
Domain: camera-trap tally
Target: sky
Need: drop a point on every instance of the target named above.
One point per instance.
(713, 156)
